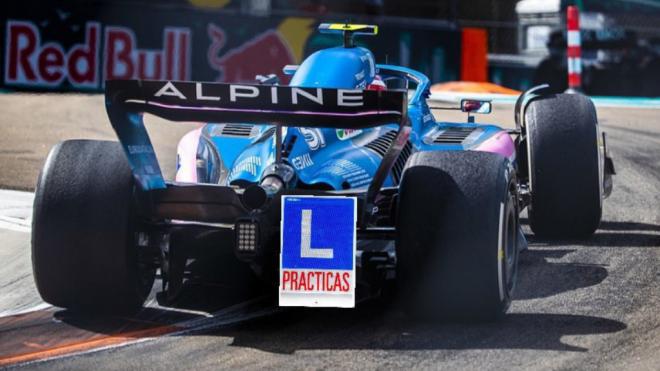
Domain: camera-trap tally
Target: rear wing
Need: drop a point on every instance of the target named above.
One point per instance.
(127, 100)
(241, 103)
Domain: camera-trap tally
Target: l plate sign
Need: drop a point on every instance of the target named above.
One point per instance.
(317, 259)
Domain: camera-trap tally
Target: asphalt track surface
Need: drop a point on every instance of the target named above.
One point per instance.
(590, 304)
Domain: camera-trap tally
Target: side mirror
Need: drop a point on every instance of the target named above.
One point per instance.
(476, 106)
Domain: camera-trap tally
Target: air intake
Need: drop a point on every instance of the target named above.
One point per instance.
(237, 130)
(381, 144)
(454, 135)
(397, 169)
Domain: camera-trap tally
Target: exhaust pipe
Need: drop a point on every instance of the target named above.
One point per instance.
(275, 178)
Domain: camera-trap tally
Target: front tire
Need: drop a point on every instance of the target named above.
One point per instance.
(456, 246)
(84, 254)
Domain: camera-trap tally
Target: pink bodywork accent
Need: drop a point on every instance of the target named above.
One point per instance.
(499, 143)
(187, 151)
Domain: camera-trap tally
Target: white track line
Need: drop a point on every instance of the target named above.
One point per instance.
(16, 210)
(34, 308)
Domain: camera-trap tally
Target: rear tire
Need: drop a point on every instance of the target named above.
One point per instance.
(566, 171)
(456, 245)
(84, 254)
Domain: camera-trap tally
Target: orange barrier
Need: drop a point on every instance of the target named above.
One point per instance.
(474, 54)
(472, 87)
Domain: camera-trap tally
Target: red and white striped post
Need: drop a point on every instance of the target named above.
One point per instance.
(573, 52)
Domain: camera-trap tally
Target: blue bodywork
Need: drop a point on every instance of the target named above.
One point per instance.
(332, 159)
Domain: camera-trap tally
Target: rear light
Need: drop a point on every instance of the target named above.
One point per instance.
(247, 237)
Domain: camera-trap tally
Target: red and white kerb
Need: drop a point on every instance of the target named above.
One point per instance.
(573, 51)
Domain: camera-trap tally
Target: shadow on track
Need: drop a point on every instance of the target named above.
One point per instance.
(375, 325)
(539, 278)
(207, 290)
(629, 226)
(610, 234)
(376, 329)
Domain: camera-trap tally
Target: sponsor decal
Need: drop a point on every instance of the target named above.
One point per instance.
(372, 64)
(238, 64)
(124, 60)
(265, 94)
(302, 162)
(249, 164)
(317, 260)
(313, 137)
(354, 174)
(345, 134)
(30, 61)
(75, 47)
(138, 149)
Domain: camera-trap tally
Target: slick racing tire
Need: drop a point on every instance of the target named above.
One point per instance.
(84, 254)
(456, 246)
(564, 166)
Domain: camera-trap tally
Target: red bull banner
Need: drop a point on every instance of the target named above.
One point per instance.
(77, 46)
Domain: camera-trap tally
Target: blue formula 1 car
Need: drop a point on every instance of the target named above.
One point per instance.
(329, 188)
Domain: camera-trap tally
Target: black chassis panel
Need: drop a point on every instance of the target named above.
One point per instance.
(197, 220)
(210, 206)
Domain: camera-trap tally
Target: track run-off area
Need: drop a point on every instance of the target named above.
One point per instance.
(589, 304)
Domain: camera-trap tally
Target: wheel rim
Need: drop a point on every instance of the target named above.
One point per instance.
(511, 248)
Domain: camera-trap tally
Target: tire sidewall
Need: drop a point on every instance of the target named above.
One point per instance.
(448, 264)
(84, 255)
(564, 166)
